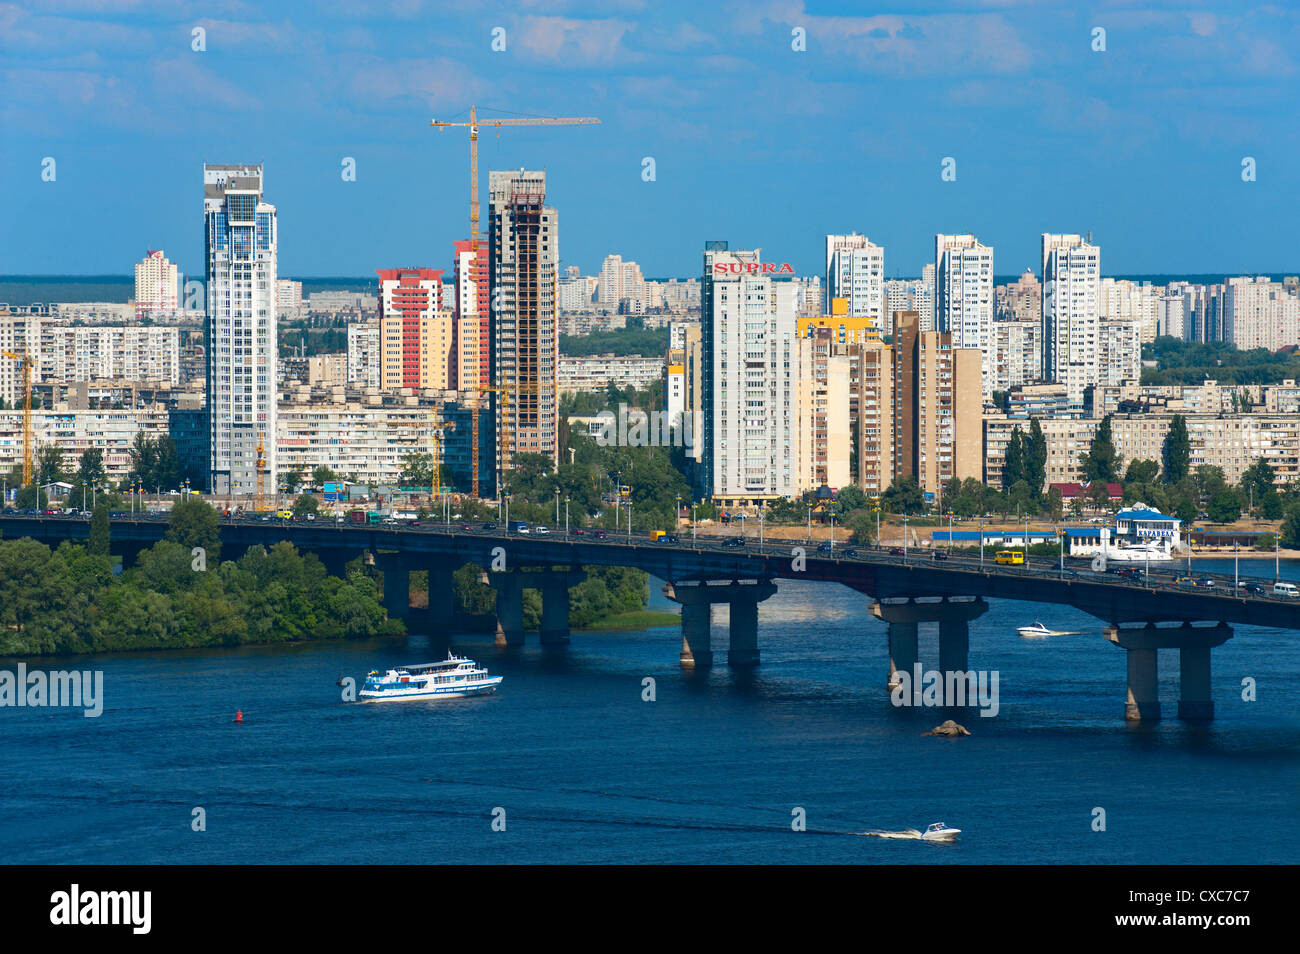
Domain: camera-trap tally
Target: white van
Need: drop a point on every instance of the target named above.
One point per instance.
(1285, 589)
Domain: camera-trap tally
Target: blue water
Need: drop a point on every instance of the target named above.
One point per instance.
(709, 772)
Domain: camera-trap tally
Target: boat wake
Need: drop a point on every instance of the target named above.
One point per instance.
(905, 833)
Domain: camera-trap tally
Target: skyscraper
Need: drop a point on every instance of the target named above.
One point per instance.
(473, 314)
(240, 242)
(751, 371)
(155, 284)
(523, 261)
(855, 271)
(963, 296)
(1071, 332)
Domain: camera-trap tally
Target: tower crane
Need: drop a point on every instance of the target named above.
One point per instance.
(473, 125)
(25, 361)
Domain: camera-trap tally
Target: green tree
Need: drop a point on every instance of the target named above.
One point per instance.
(194, 523)
(99, 530)
(1036, 457)
(1102, 461)
(305, 504)
(1258, 480)
(1099, 495)
(1225, 506)
(1186, 510)
(904, 496)
(1177, 450)
(1015, 462)
(862, 528)
(1055, 507)
(291, 480)
(1141, 471)
(417, 470)
(1290, 531)
(322, 475)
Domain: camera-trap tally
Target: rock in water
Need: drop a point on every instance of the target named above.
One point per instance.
(948, 728)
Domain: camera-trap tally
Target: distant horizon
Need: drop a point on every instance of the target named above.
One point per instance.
(342, 282)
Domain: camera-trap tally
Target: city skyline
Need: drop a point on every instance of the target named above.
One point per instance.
(1047, 133)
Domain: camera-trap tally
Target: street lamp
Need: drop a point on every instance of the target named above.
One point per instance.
(905, 535)
(879, 542)
(761, 508)
(810, 523)
(566, 515)
(557, 506)
(693, 505)
(950, 533)
(507, 513)
(677, 512)
(981, 543)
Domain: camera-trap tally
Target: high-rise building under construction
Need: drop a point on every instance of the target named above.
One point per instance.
(523, 264)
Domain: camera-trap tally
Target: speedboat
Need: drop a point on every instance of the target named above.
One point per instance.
(452, 678)
(940, 832)
(1038, 629)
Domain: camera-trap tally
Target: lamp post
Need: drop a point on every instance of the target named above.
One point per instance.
(1277, 556)
(879, 542)
(507, 513)
(557, 506)
(629, 520)
(981, 543)
(566, 515)
(692, 524)
(832, 509)
(761, 508)
(905, 535)
(1060, 537)
(810, 523)
(950, 533)
(618, 494)
(1026, 541)
(1236, 565)
(677, 513)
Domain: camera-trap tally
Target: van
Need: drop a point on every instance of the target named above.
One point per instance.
(1285, 589)
(1009, 557)
(518, 526)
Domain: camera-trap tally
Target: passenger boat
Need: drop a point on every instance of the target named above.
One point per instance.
(452, 678)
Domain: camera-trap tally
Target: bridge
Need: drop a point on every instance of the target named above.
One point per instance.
(1143, 614)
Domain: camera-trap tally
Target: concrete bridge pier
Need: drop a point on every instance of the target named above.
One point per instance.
(397, 588)
(697, 619)
(1141, 645)
(554, 585)
(510, 608)
(336, 561)
(904, 618)
(441, 589)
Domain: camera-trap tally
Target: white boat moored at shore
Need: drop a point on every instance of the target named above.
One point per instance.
(1038, 629)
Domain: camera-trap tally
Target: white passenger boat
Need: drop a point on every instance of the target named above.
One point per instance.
(452, 678)
(940, 832)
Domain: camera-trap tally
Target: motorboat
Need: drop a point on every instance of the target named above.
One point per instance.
(1038, 629)
(940, 832)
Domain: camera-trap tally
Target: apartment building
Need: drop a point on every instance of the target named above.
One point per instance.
(74, 431)
(19, 334)
(156, 285)
(937, 405)
(106, 352)
(1071, 272)
(855, 272)
(597, 372)
(963, 297)
(416, 331)
(363, 354)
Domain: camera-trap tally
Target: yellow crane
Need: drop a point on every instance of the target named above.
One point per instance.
(261, 473)
(473, 125)
(26, 362)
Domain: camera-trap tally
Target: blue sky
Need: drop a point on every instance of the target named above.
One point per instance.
(753, 141)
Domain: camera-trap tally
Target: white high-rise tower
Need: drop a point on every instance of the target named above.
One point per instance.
(855, 270)
(963, 296)
(1071, 271)
(240, 242)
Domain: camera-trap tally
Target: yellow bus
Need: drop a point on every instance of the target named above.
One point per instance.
(1009, 557)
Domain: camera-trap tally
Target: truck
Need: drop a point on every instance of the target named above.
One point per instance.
(357, 517)
(518, 526)
(655, 535)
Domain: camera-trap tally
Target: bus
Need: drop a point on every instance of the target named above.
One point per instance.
(1009, 557)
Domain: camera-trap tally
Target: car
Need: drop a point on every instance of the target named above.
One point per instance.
(1205, 581)
(489, 526)
(849, 552)
(413, 523)
(390, 521)
(1184, 581)
(340, 519)
(939, 555)
(1252, 587)
(466, 527)
(1132, 573)
(539, 529)
(824, 548)
(600, 534)
(735, 543)
(667, 538)
(897, 551)
(578, 532)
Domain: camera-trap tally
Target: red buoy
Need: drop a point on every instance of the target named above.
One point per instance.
(239, 715)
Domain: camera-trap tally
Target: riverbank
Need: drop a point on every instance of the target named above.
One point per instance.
(634, 620)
